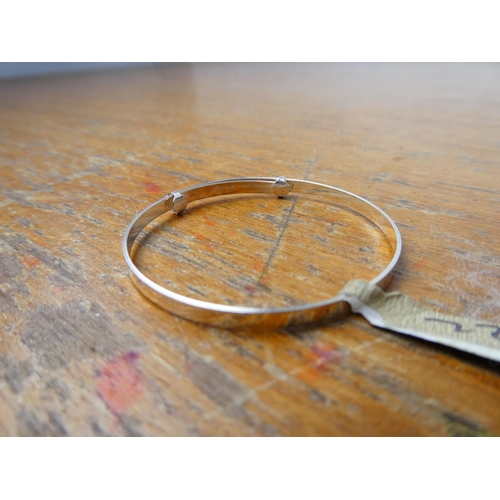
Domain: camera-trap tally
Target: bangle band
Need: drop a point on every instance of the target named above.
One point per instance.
(229, 316)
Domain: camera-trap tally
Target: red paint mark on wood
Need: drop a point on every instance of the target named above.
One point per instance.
(258, 266)
(199, 236)
(323, 354)
(251, 289)
(149, 174)
(152, 187)
(209, 222)
(320, 358)
(210, 248)
(30, 262)
(120, 384)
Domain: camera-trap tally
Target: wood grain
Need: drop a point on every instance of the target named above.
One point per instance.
(83, 353)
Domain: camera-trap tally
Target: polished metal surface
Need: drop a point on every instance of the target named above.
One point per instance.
(229, 316)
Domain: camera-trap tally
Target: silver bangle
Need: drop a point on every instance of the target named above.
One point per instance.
(229, 316)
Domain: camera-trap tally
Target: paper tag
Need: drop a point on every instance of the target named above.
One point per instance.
(398, 312)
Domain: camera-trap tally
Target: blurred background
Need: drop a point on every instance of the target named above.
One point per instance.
(22, 69)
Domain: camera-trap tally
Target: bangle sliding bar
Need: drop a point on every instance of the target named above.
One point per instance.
(229, 316)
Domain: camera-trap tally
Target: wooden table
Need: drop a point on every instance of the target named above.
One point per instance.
(83, 353)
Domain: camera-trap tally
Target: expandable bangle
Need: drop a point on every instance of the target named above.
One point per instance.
(229, 316)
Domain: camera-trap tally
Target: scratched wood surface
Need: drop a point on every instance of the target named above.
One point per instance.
(83, 353)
